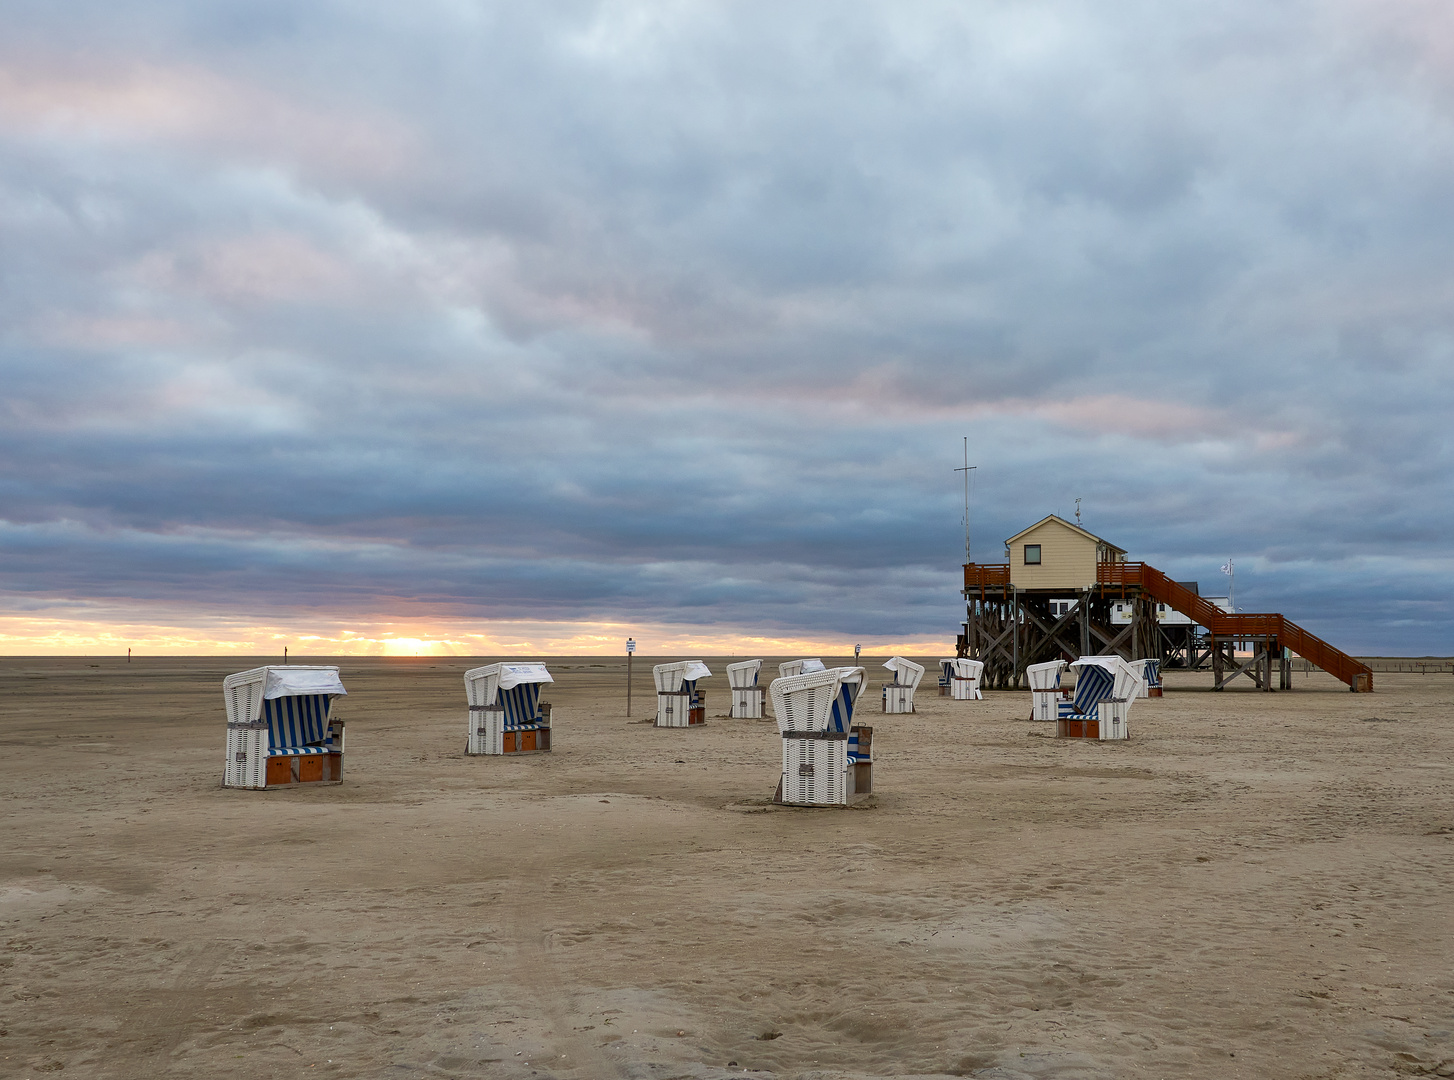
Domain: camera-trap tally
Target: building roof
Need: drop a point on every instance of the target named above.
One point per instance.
(1072, 527)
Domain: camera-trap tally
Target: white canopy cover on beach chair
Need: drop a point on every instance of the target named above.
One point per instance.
(678, 701)
(743, 675)
(898, 696)
(1139, 667)
(670, 677)
(961, 678)
(746, 694)
(1105, 686)
(1045, 691)
(799, 667)
(826, 757)
(906, 672)
(506, 715)
(1045, 676)
(279, 727)
(1126, 679)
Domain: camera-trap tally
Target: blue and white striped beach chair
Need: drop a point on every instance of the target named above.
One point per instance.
(827, 759)
(1105, 686)
(280, 727)
(1153, 677)
(506, 715)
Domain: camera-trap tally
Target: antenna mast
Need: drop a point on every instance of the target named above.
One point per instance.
(968, 468)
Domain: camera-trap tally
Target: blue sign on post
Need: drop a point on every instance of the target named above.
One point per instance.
(630, 645)
(856, 650)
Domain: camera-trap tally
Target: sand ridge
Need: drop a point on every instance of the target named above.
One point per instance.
(1253, 885)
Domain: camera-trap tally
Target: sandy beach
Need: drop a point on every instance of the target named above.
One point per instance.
(1254, 885)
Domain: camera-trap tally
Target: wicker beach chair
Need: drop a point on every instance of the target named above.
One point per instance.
(827, 759)
(898, 696)
(1105, 686)
(280, 727)
(506, 715)
(678, 701)
(746, 694)
(1045, 692)
(960, 678)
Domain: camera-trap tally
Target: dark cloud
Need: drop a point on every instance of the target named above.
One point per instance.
(609, 311)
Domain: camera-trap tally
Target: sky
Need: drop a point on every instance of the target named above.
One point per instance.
(473, 327)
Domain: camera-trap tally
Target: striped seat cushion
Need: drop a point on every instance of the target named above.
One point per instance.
(297, 725)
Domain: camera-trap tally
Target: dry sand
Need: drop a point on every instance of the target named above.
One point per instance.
(1255, 885)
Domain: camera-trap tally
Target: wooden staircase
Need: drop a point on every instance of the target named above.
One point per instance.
(1289, 634)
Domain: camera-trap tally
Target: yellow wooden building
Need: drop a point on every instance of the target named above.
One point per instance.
(1055, 554)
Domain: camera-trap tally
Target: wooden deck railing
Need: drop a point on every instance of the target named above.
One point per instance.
(986, 575)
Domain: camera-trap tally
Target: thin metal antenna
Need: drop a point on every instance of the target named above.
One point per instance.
(1077, 511)
(968, 468)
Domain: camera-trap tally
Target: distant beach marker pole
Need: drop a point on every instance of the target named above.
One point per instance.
(630, 651)
(128, 656)
(856, 650)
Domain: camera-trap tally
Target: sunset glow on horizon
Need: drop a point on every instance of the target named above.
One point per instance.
(65, 637)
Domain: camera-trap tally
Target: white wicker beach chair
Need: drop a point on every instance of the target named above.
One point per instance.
(506, 715)
(1105, 686)
(898, 696)
(960, 678)
(678, 701)
(1153, 677)
(827, 759)
(1149, 672)
(746, 694)
(799, 667)
(1045, 692)
(1139, 668)
(280, 727)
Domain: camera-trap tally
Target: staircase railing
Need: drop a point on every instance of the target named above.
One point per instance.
(1225, 624)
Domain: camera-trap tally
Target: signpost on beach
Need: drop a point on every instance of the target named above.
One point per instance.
(856, 650)
(630, 651)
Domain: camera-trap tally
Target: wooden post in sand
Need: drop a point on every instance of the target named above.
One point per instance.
(630, 652)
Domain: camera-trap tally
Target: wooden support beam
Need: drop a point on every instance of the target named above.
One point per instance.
(1252, 667)
(1052, 635)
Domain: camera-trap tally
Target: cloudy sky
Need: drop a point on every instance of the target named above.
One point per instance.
(473, 326)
